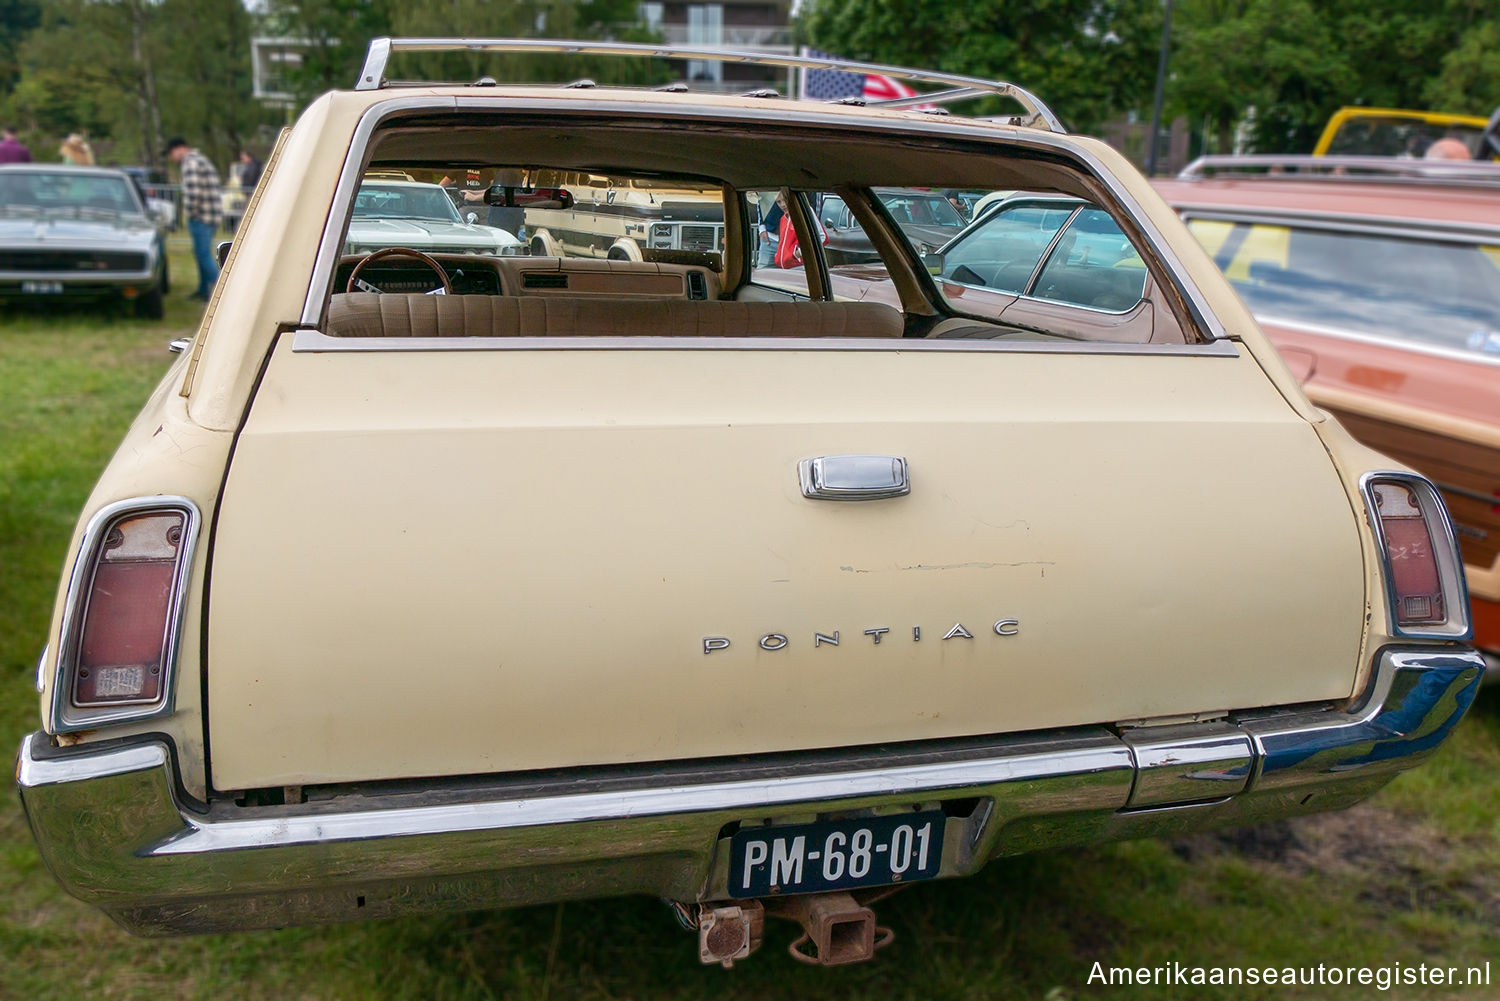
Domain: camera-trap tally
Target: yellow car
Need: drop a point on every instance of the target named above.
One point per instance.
(1357, 131)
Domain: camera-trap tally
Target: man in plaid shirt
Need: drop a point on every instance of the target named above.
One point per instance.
(201, 202)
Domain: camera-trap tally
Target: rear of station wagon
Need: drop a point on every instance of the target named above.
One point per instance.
(589, 577)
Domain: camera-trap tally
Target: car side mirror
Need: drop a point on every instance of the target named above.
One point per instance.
(471, 217)
(223, 251)
(163, 212)
(934, 262)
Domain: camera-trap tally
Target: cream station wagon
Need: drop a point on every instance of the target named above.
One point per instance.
(437, 581)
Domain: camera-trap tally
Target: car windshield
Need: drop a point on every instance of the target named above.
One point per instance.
(33, 193)
(1400, 136)
(921, 209)
(1430, 292)
(404, 201)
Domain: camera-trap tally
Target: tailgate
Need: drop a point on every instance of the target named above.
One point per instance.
(457, 562)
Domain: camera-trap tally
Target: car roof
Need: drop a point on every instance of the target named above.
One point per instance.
(1396, 200)
(63, 168)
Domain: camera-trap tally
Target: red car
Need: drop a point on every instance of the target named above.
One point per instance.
(1380, 286)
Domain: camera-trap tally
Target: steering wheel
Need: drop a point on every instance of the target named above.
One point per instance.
(382, 254)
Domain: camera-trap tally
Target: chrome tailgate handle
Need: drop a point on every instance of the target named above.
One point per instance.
(853, 477)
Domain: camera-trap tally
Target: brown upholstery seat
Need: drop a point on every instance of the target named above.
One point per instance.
(367, 314)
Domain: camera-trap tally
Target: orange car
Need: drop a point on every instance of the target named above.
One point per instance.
(1382, 292)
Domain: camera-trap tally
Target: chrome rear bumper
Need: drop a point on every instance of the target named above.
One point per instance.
(112, 825)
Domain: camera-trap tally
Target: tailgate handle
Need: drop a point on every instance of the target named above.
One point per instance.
(853, 477)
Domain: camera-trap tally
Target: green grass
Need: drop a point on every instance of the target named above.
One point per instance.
(1413, 876)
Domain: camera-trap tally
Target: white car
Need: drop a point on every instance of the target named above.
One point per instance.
(421, 217)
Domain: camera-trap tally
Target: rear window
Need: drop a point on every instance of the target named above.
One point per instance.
(1429, 292)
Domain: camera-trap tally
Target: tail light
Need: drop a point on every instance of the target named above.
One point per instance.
(122, 614)
(1423, 570)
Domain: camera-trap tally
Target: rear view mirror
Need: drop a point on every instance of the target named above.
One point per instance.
(528, 198)
(222, 251)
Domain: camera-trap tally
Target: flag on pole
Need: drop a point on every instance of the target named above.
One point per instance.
(831, 85)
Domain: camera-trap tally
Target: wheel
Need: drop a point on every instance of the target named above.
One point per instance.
(625, 250)
(150, 305)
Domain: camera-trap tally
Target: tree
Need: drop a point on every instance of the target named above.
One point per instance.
(18, 18)
(1469, 78)
(1087, 59)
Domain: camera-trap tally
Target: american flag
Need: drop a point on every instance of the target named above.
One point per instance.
(831, 85)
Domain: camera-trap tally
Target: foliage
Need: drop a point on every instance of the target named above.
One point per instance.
(129, 73)
(1088, 59)
(1469, 80)
(1277, 69)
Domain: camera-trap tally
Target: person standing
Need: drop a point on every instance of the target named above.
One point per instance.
(76, 151)
(247, 171)
(12, 150)
(203, 205)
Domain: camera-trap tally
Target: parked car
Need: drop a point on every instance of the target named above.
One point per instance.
(927, 218)
(619, 218)
(1362, 131)
(79, 233)
(419, 217)
(653, 577)
(1381, 290)
(1050, 262)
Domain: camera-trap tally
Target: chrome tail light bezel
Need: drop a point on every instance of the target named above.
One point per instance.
(1456, 624)
(68, 717)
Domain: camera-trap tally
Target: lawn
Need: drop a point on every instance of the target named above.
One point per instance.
(1411, 877)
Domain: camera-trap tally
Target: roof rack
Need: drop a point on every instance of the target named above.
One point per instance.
(1381, 169)
(1038, 115)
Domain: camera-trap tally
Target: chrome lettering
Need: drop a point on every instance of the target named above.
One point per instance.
(876, 633)
(712, 643)
(820, 638)
(1007, 627)
(773, 641)
(958, 630)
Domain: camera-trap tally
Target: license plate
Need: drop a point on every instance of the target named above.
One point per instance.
(41, 288)
(835, 854)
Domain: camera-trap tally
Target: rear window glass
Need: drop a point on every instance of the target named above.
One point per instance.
(1428, 292)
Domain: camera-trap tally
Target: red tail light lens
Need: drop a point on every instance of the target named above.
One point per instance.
(120, 624)
(1424, 575)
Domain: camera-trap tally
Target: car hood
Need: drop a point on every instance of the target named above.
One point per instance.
(429, 233)
(67, 231)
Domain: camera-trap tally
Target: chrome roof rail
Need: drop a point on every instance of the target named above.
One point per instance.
(1038, 115)
(1374, 169)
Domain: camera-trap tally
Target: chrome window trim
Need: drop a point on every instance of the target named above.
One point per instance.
(1435, 350)
(1202, 314)
(67, 718)
(316, 342)
(1457, 625)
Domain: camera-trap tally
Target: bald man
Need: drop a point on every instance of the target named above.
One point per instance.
(1447, 149)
